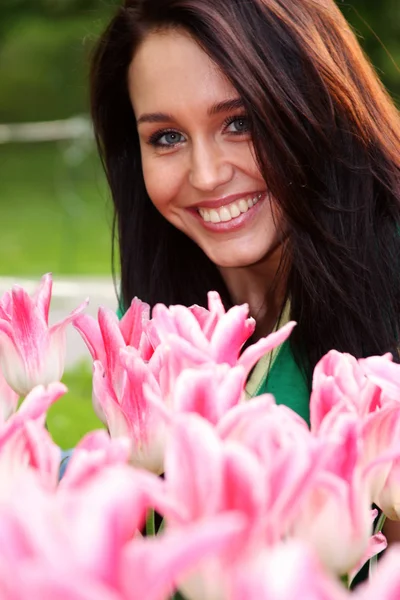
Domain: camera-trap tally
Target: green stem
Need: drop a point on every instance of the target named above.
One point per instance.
(373, 563)
(150, 524)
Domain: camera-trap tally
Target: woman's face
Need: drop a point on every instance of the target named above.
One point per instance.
(197, 156)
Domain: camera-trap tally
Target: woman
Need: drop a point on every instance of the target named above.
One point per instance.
(251, 149)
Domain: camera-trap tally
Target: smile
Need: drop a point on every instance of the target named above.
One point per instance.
(230, 211)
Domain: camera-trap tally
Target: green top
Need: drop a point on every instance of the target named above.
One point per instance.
(285, 381)
(277, 373)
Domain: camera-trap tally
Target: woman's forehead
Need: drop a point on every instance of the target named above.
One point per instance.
(170, 68)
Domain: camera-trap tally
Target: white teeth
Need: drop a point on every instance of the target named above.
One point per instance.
(205, 215)
(234, 210)
(224, 214)
(243, 206)
(229, 212)
(214, 217)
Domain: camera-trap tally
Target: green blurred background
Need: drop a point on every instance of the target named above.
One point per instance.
(55, 211)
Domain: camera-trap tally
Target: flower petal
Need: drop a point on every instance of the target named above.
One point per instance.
(42, 296)
(253, 353)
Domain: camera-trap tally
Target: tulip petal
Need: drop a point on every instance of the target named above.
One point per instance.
(231, 332)
(194, 467)
(39, 400)
(42, 296)
(253, 353)
(377, 544)
(113, 340)
(134, 321)
(234, 421)
(92, 454)
(89, 329)
(179, 320)
(384, 373)
(30, 331)
(209, 391)
(159, 562)
(106, 404)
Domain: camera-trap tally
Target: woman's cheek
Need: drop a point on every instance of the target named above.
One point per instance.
(162, 184)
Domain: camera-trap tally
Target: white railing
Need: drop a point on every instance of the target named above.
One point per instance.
(75, 128)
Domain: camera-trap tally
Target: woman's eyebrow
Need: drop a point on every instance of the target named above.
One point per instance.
(226, 106)
(219, 107)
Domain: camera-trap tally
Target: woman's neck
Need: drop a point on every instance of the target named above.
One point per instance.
(262, 286)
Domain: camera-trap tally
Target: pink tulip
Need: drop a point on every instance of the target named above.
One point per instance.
(384, 373)
(312, 482)
(106, 336)
(383, 471)
(87, 535)
(292, 459)
(37, 582)
(381, 435)
(151, 567)
(93, 453)
(24, 442)
(211, 390)
(339, 495)
(340, 386)
(127, 412)
(368, 392)
(82, 530)
(137, 405)
(205, 477)
(286, 572)
(135, 394)
(31, 352)
(381, 458)
(218, 338)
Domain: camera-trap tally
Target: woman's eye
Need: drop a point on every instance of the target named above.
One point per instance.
(167, 139)
(238, 125)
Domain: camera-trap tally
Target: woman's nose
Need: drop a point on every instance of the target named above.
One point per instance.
(210, 167)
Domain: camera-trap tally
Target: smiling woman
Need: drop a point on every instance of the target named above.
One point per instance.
(198, 163)
(251, 149)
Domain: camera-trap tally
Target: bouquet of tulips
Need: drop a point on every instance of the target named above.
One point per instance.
(255, 504)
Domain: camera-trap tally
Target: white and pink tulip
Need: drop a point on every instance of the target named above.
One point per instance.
(31, 352)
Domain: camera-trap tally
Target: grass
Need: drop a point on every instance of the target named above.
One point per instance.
(54, 210)
(72, 416)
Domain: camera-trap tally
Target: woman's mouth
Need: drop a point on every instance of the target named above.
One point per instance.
(229, 212)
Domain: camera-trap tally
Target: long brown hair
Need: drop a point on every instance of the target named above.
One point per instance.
(327, 138)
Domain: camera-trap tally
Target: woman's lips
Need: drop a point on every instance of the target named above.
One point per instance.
(230, 223)
(227, 200)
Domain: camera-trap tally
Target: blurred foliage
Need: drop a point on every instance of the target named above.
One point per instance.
(44, 57)
(377, 25)
(54, 210)
(45, 47)
(72, 416)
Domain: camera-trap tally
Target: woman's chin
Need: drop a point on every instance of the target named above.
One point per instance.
(237, 262)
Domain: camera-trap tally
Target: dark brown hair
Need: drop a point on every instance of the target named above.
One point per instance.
(327, 138)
